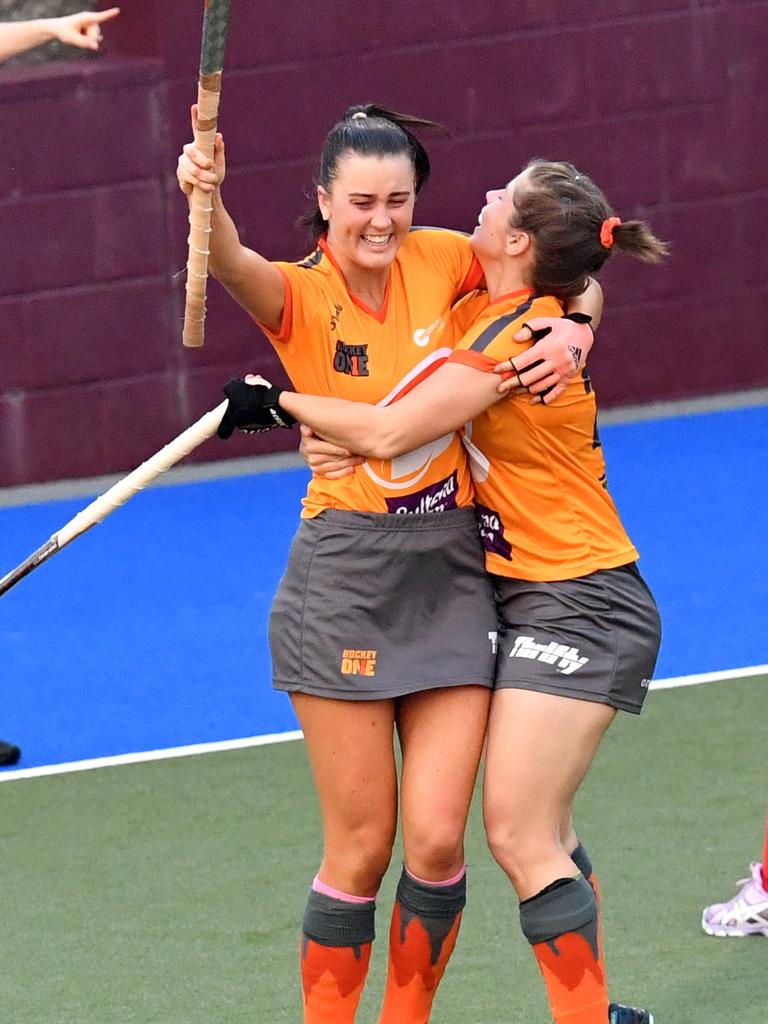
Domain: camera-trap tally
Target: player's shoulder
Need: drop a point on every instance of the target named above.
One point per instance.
(467, 309)
(498, 320)
(422, 237)
(316, 261)
(495, 324)
(313, 274)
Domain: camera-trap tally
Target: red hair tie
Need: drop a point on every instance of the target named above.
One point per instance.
(606, 231)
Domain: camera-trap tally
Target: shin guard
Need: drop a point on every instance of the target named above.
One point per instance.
(560, 922)
(425, 923)
(335, 952)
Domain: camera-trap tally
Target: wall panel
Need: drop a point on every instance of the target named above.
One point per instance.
(658, 99)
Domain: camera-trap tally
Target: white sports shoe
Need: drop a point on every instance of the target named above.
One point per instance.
(745, 914)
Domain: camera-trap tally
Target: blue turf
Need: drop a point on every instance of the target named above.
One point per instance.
(693, 493)
(150, 631)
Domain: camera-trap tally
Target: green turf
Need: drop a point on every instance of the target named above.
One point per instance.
(171, 892)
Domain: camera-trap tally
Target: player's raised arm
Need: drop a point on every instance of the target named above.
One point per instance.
(255, 283)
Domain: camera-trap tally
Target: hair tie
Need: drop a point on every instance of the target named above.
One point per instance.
(360, 113)
(606, 231)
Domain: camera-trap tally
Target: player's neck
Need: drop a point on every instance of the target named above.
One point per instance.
(370, 288)
(367, 284)
(503, 279)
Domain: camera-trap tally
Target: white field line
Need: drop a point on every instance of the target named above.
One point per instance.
(149, 755)
(193, 749)
(709, 677)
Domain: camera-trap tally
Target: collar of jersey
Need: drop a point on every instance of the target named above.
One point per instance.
(379, 315)
(521, 293)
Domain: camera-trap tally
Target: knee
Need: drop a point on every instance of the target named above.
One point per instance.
(517, 848)
(360, 861)
(435, 851)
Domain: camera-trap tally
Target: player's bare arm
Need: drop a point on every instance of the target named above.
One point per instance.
(448, 399)
(545, 370)
(253, 282)
(82, 30)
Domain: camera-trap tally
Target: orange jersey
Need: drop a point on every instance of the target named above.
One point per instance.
(331, 343)
(539, 472)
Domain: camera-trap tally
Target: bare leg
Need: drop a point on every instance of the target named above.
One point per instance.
(441, 734)
(350, 746)
(539, 749)
(540, 746)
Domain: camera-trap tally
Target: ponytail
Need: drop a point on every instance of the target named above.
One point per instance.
(636, 238)
(573, 228)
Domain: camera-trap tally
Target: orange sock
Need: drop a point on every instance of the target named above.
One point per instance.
(561, 925)
(425, 923)
(332, 979)
(335, 954)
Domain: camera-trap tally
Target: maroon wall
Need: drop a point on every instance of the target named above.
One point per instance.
(657, 99)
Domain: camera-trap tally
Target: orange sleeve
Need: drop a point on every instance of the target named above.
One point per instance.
(304, 301)
(477, 360)
(286, 324)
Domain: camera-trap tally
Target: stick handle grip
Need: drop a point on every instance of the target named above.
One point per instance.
(200, 209)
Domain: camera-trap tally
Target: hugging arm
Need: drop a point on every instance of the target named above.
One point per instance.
(444, 402)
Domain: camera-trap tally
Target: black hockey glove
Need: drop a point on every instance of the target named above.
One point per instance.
(253, 408)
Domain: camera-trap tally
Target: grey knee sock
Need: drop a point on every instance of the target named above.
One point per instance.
(567, 905)
(435, 906)
(332, 922)
(580, 858)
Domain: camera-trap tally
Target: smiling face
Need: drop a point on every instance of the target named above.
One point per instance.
(491, 237)
(369, 209)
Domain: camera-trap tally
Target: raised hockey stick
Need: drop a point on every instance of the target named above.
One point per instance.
(215, 25)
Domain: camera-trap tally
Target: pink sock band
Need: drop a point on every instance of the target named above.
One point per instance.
(337, 894)
(448, 881)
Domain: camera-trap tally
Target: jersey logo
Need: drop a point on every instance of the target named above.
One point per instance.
(491, 528)
(422, 335)
(565, 659)
(436, 498)
(358, 663)
(351, 359)
(337, 311)
(404, 472)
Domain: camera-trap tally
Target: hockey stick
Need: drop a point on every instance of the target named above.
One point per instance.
(215, 25)
(119, 493)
